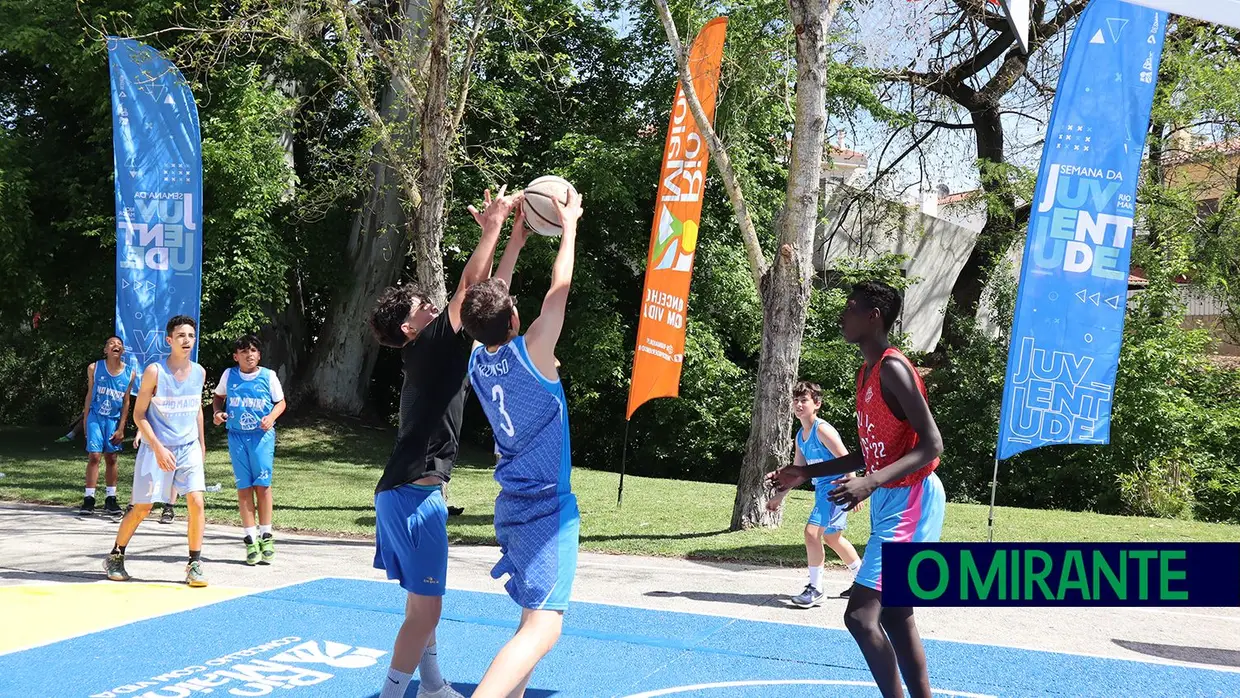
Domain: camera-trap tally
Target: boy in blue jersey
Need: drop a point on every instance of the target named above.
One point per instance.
(817, 442)
(169, 417)
(536, 517)
(411, 533)
(104, 418)
(250, 399)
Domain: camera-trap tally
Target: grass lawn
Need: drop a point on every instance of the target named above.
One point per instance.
(326, 474)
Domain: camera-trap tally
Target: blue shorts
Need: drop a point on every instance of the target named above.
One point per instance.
(830, 517)
(539, 552)
(152, 484)
(99, 431)
(901, 515)
(411, 538)
(253, 456)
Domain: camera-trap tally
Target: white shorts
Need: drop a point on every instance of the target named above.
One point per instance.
(151, 484)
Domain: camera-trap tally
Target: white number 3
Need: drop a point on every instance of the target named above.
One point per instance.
(497, 395)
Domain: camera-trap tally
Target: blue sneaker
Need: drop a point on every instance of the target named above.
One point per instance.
(808, 598)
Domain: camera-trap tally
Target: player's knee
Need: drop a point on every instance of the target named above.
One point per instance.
(832, 539)
(141, 510)
(895, 617)
(194, 502)
(860, 621)
(92, 459)
(812, 533)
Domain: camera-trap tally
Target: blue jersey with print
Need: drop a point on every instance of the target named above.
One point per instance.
(529, 416)
(249, 399)
(815, 451)
(176, 405)
(109, 394)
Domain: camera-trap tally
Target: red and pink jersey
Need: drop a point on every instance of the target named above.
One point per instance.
(885, 438)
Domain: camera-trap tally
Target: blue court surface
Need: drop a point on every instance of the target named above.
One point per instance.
(331, 637)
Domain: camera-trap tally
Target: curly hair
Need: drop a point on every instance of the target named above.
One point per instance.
(486, 313)
(876, 295)
(391, 310)
(247, 341)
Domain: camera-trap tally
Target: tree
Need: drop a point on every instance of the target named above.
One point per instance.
(977, 66)
(783, 283)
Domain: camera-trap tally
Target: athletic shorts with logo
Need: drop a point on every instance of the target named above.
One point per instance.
(411, 538)
(253, 455)
(833, 518)
(99, 431)
(153, 484)
(901, 515)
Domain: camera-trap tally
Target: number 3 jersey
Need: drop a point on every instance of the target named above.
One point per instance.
(529, 416)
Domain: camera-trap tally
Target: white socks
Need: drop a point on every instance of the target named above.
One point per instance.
(264, 529)
(815, 577)
(252, 534)
(395, 684)
(428, 670)
(111, 491)
(90, 491)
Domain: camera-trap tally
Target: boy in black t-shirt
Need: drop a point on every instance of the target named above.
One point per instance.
(411, 535)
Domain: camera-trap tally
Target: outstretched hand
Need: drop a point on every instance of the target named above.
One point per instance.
(495, 210)
(569, 212)
(851, 491)
(785, 479)
(519, 232)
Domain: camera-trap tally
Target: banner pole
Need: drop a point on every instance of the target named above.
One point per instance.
(990, 521)
(624, 452)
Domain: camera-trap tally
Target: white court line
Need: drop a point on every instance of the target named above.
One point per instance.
(788, 682)
(979, 643)
(247, 591)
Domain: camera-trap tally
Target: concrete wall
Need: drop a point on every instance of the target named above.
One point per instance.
(856, 225)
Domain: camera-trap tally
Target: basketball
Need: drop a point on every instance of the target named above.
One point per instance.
(539, 204)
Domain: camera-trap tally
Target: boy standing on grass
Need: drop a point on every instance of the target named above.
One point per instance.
(169, 417)
(537, 522)
(900, 447)
(818, 442)
(104, 418)
(411, 533)
(250, 399)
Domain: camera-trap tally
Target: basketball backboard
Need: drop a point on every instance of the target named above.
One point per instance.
(1017, 12)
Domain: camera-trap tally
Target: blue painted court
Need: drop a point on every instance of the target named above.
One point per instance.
(331, 637)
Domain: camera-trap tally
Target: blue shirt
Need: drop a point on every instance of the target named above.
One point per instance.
(815, 451)
(109, 393)
(175, 406)
(248, 397)
(529, 416)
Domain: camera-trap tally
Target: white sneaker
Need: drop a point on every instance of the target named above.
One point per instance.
(445, 691)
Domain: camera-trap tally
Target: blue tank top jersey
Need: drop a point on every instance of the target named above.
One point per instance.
(249, 400)
(175, 406)
(529, 416)
(815, 451)
(109, 395)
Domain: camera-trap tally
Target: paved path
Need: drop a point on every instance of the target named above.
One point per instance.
(52, 544)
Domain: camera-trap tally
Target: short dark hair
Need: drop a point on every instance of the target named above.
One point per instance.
(392, 308)
(117, 337)
(247, 341)
(179, 320)
(486, 313)
(813, 390)
(876, 295)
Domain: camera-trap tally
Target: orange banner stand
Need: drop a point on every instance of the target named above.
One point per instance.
(674, 233)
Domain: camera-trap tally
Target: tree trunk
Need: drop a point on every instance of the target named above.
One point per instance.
(284, 337)
(996, 237)
(345, 353)
(786, 286)
(436, 149)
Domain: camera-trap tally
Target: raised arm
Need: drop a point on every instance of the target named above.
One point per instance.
(478, 268)
(508, 262)
(544, 332)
